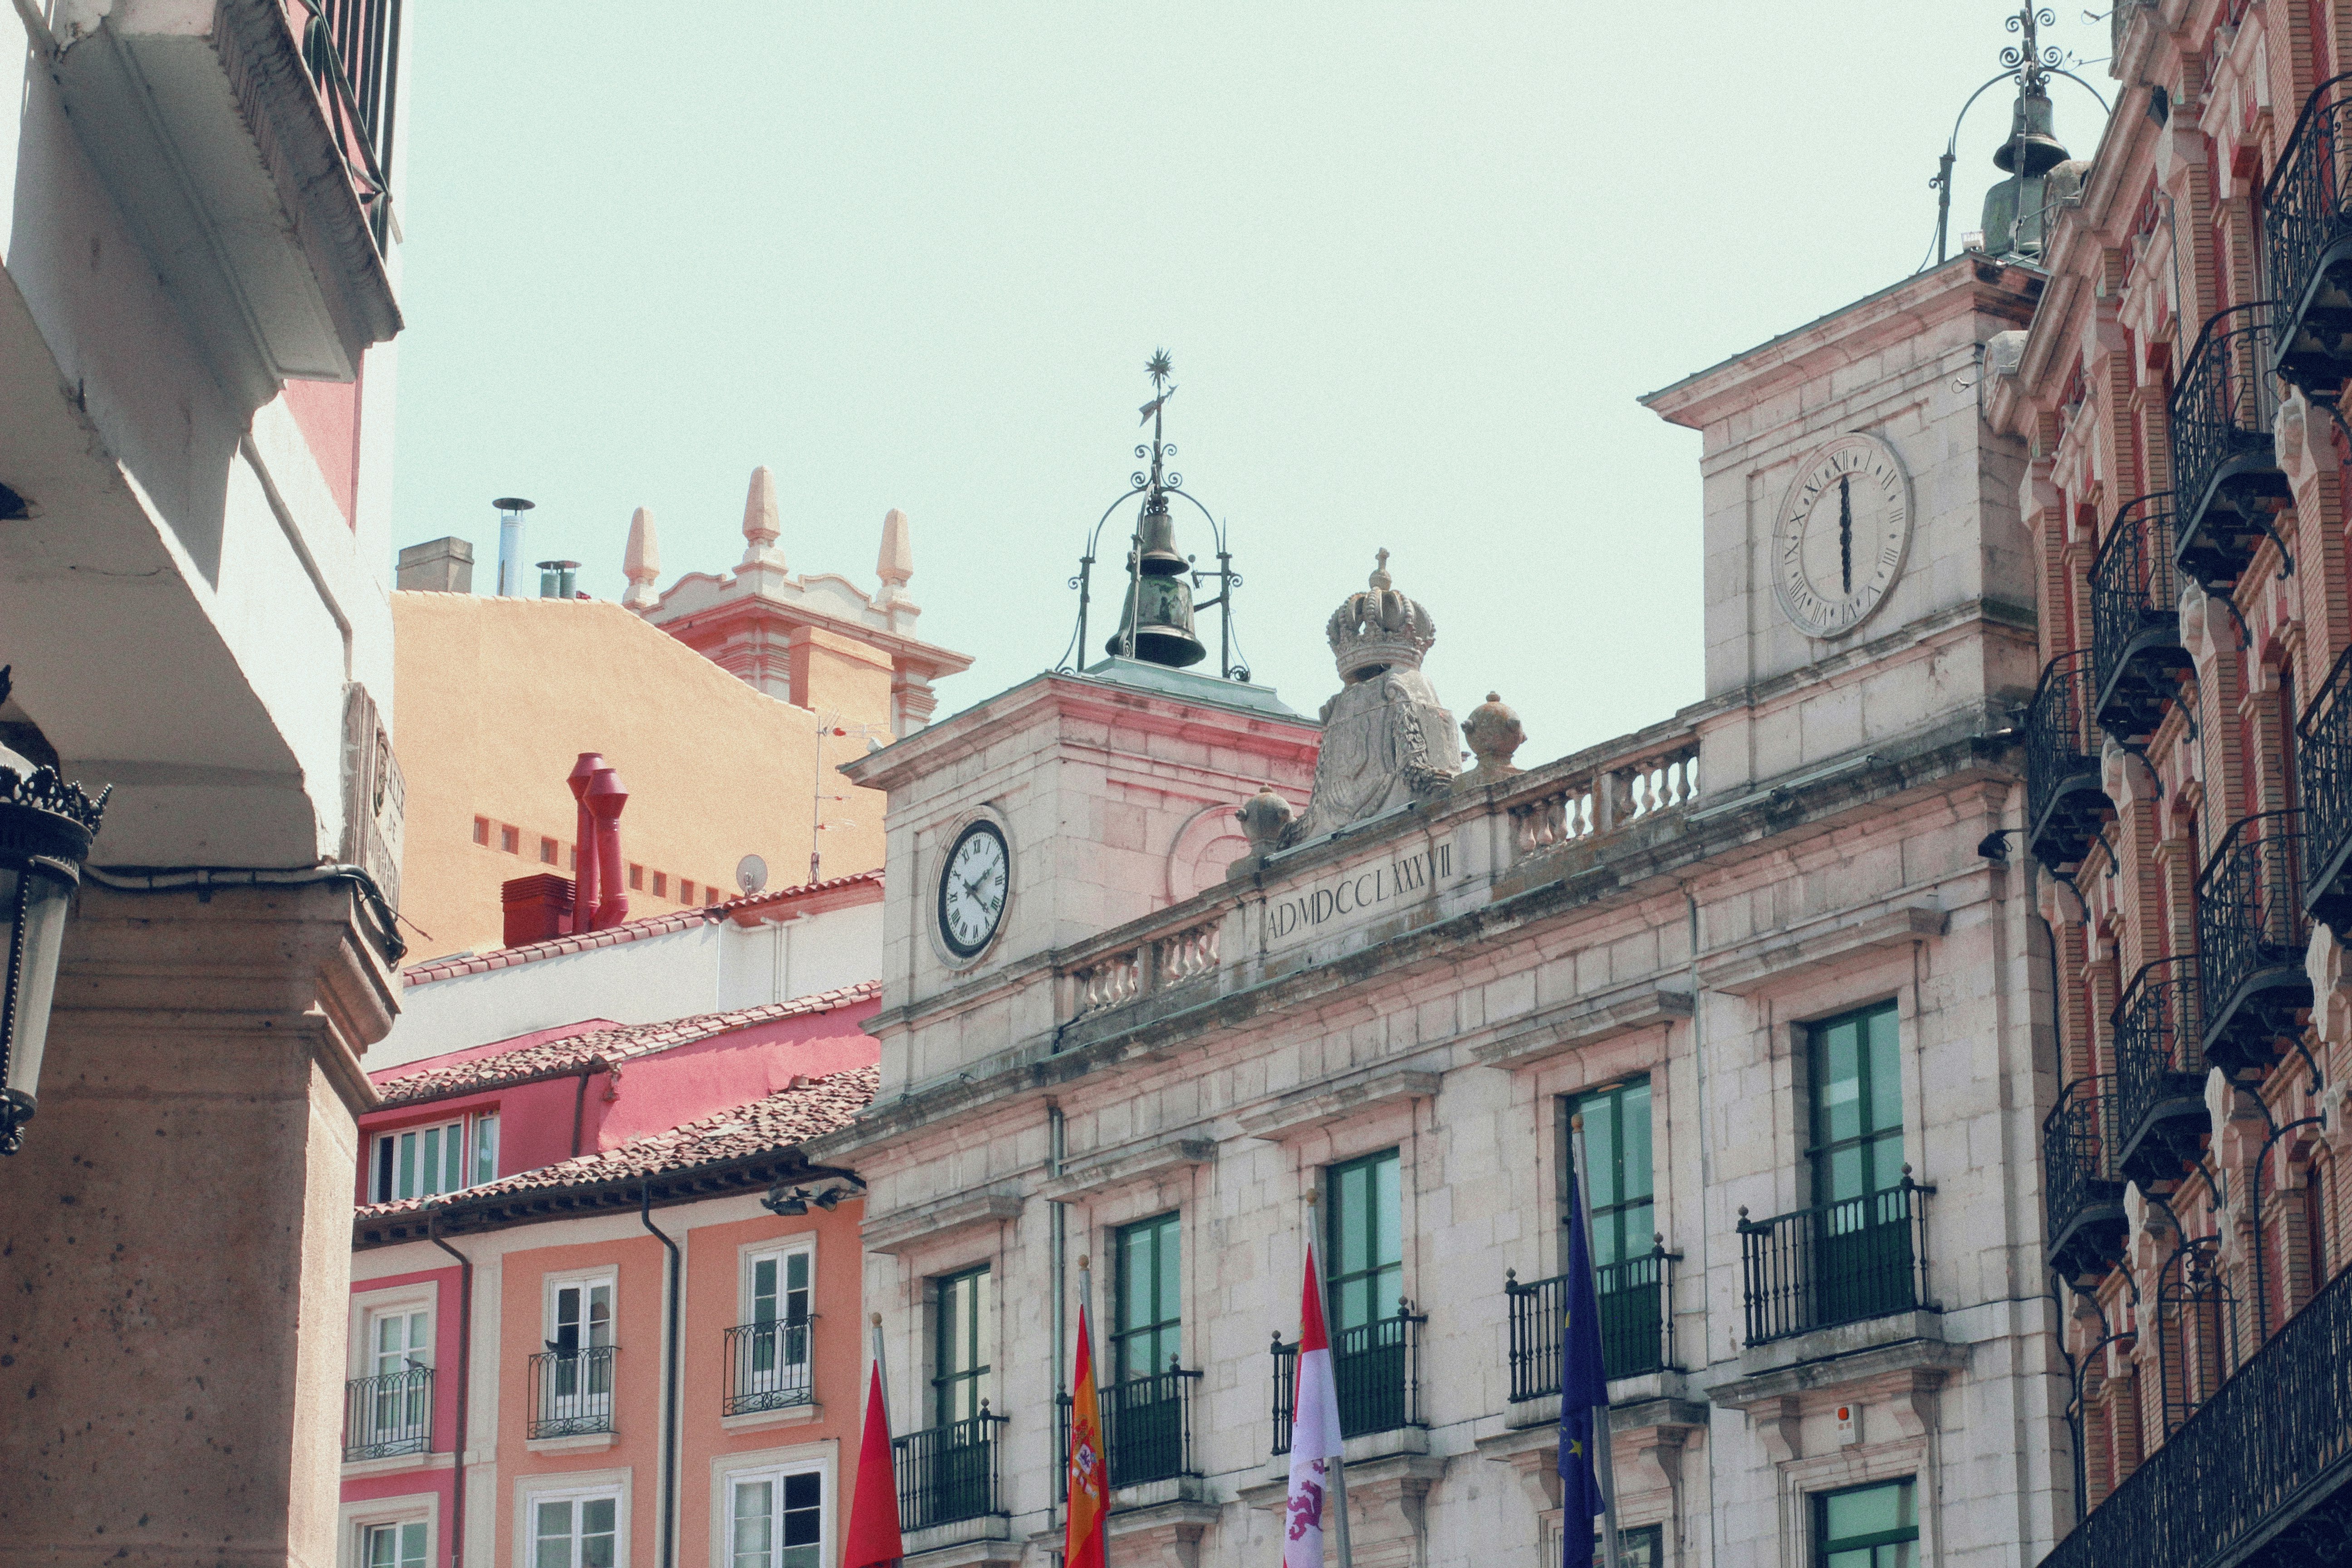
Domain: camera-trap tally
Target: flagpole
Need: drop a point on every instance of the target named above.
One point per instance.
(1339, 1471)
(882, 1371)
(1085, 1326)
(1601, 1459)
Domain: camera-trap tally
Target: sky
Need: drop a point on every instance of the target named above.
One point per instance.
(1413, 265)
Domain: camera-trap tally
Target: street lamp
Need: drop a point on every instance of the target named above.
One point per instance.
(45, 827)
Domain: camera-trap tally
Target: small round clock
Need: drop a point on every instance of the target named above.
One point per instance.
(972, 888)
(1839, 541)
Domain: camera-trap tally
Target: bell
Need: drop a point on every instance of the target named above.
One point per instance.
(1159, 556)
(2032, 135)
(1159, 608)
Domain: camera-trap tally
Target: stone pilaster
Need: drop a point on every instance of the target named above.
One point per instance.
(175, 1237)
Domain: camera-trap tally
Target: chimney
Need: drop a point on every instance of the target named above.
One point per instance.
(510, 510)
(558, 579)
(537, 908)
(607, 797)
(584, 837)
(437, 566)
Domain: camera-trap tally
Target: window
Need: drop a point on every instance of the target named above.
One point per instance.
(686, 891)
(636, 879)
(390, 1410)
(1636, 1548)
(1146, 1315)
(1857, 1110)
(577, 1385)
(510, 839)
(777, 1520)
(770, 1360)
(661, 884)
(482, 831)
(400, 1545)
(1866, 1527)
(967, 1343)
(1365, 1241)
(420, 1162)
(1617, 1160)
(709, 895)
(575, 1531)
(547, 851)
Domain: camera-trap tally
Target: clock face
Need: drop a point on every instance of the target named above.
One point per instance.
(972, 888)
(1839, 541)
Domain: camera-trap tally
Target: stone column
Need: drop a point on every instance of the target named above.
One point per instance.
(175, 1236)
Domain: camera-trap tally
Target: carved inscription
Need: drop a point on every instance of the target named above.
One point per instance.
(1403, 879)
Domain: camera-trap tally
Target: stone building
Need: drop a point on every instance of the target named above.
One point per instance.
(1770, 948)
(2179, 396)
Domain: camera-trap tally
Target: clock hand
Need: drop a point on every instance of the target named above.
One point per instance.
(1845, 530)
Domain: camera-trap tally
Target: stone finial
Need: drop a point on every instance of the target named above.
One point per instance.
(640, 563)
(1264, 817)
(1493, 732)
(2289, 431)
(760, 527)
(898, 560)
(1380, 629)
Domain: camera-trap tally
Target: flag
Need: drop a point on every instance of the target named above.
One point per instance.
(1082, 1542)
(874, 1512)
(1315, 1437)
(1583, 1385)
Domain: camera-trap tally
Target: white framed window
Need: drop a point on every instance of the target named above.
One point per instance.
(388, 1408)
(576, 1386)
(577, 1520)
(397, 1545)
(769, 1364)
(773, 1509)
(389, 1532)
(442, 1157)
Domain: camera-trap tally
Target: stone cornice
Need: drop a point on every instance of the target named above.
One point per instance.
(1129, 1164)
(1587, 1021)
(1355, 1094)
(904, 1230)
(1754, 966)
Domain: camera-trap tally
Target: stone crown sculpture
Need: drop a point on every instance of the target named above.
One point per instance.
(1380, 629)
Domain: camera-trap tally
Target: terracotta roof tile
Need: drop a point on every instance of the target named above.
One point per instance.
(764, 1126)
(602, 1049)
(455, 964)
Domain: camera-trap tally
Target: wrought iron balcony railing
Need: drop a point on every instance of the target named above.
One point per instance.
(2137, 656)
(1146, 1429)
(2159, 1071)
(2307, 241)
(386, 1416)
(1835, 1263)
(2225, 474)
(1637, 1326)
(2256, 1476)
(2065, 804)
(768, 1367)
(352, 49)
(572, 1392)
(1377, 1366)
(2252, 930)
(2082, 1187)
(2323, 769)
(951, 1473)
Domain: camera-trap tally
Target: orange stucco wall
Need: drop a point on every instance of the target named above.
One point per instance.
(494, 698)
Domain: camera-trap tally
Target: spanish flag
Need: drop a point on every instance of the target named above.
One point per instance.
(1082, 1546)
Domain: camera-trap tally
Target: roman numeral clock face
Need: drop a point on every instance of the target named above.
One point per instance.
(972, 888)
(1839, 541)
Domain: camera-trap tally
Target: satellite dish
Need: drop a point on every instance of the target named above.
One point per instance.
(751, 874)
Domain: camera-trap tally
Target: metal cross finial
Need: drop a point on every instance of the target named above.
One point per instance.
(1157, 367)
(2030, 57)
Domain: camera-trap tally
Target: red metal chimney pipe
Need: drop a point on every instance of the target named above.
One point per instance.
(583, 839)
(607, 797)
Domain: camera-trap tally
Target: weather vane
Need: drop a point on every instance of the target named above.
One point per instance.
(1157, 625)
(2029, 63)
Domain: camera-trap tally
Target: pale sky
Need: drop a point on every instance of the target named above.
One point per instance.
(1413, 264)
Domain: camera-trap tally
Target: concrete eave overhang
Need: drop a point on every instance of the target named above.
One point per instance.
(1059, 692)
(201, 118)
(1636, 863)
(1967, 284)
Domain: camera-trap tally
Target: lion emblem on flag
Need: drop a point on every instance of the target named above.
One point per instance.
(1306, 1509)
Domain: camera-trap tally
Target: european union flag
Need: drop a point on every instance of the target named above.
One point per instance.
(1583, 1385)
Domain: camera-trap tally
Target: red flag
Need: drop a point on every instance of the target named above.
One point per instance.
(1315, 1437)
(1082, 1540)
(874, 1511)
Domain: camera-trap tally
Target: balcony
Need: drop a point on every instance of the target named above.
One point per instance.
(1377, 1366)
(2081, 1185)
(2323, 769)
(2137, 658)
(1146, 1429)
(246, 143)
(2252, 930)
(386, 1418)
(949, 1474)
(2160, 1116)
(1835, 1263)
(768, 1367)
(572, 1392)
(2307, 242)
(2256, 1478)
(2065, 804)
(1637, 1329)
(2225, 474)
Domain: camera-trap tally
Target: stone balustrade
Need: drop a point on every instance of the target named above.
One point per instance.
(1115, 979)
(1607, 797)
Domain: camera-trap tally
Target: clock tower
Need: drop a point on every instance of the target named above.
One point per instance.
(1867, 575)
